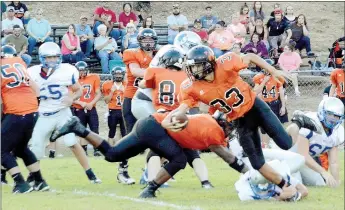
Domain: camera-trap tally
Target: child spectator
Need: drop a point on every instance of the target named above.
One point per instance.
(289, 16)
(197, 28)
(70, 46)
(221, 40)
(147, 23)
(276, 6)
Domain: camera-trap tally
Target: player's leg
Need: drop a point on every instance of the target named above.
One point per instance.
(141, 108)
(52, 149)
(311, 177)
(153, 161)
(3, 175)
(112, 124)
(80, 113)
(93, 121)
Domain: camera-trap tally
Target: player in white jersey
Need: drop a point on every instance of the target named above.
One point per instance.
(54, 80)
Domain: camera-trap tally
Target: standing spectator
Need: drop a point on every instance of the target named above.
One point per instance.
(255, 13)
(9, 22)
(147, 23)
(20, 42)
(70, 46)
(130, 40)
(200, 31)
(291, 61)
(261, 30)
(209, 21)
(106, 48)
(104, 15)
(39, 31)
(83, 30)
(176, 23)
(258, 47)
(276, 31)
(299, 33)
(126, 17)
(19, 9)
(244, 16)
(289, 15)
(237, 28)
(276, 6)
(221, 40)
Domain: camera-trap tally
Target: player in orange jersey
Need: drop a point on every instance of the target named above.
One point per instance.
(113, 96)
(20, 105)
(85, 107)
(149, 133)
(136, 60)
(272, 92)
(338, 83)
(218, 84)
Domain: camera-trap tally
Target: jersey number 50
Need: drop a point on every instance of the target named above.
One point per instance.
(227, 108)
(19, 75)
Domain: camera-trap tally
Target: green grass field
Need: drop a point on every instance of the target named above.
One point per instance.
(71, 190)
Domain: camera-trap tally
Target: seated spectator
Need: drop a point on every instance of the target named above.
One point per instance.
(244, 16)
(126, 17)
(70, 46)
(276, 32)
(19, 9)
(289, 16)
(291, 61)
(298, 32)
(39, 31)
(3, 10)
(106, 48)
(8, 23)
(276, 6)
(176, 23)
(26, 19)
(104, 15)
(200, 31)
(237, 28)
(209, 21)
(237, 48)
(258, 47)
(83, 30)
(147, 23)
(255, 13)
(221, 40)
(130, 40)
(261, 30)
(20, 42)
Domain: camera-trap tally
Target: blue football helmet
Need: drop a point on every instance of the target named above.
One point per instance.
(82, 68)
(50, 49)
(7, 51)
(331, 112)
(118, 74)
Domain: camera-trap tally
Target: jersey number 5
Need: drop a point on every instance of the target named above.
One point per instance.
(19, 75)
(227, 108)
(167, 92)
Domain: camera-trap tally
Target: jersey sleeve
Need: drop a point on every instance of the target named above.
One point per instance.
(185, 95)
(334, 78)
(231, 62)
(149, 78)
(257, 78)
(105, 88)
(129, 56)
(75, 75)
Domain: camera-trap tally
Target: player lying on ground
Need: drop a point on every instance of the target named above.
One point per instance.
(149, 133)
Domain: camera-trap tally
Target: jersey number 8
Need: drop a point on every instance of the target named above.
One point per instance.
(167, 92)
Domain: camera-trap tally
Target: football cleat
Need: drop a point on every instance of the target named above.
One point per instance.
(51, 153)
(149, 191)
(41, 186)
(207, 185)
(95, 180)
(30, 180)
(97, 153)
(123, 177)
(22, 188)
(304, 121)
(144, 178)
(73, 125)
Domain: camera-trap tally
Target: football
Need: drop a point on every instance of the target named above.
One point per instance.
(181, 118)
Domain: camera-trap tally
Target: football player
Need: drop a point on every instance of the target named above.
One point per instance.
(338, 83)
(54, 79)
(136, 60)
(218, 84)
(85, 107)
(113, 96)
(20, 105)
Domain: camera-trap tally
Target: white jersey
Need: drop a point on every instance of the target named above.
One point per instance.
(321, 143)
(146, 91)
(160, 53)
(54, 89)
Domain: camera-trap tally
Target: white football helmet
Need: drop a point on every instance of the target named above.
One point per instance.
(186, 40)
(50, 49)
(331, 112)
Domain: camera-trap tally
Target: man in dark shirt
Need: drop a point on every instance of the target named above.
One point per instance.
(276, 27)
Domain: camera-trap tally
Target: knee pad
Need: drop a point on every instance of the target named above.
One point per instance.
(191, 155)
(176, 164)
(8, 161)
(150, 155)
(28, 156)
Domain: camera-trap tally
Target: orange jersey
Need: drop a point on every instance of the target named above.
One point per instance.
(117, 99)
(201, 132)
(338, 79)
(143, 60)
(227, 92)
(270, 92)
(16, 94)
(90, 84)
(165, 86)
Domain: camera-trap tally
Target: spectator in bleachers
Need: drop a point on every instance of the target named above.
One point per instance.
(147, 23)
(276, 31)
(221, 40)
(8, 23)
(209, 21)
(26, 19)
(289, 15)
(197, 28)
(19, 9)
(83, 30)
(244, 16)
(291, 61)
(258, 47)
(237, 28)
(130, 40)
(276, 6)
(126, 17)
(237, 48)
(106, 48)
(20, 43)
(104, 15)
(262, 31)
(298, 32)
(176, 23)
(70, 46)
(255, 13)
(3, 10)
(39, 31)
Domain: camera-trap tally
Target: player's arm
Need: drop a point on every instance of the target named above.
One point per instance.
(34, 87)
(77, 91)
(282, 99)
(334, 163)
(259, 87)
(136, 70)
(334, 84)
(332, 90)
(107, 98)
